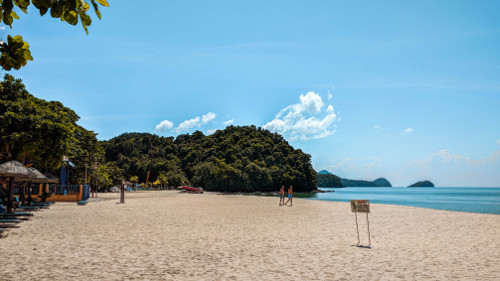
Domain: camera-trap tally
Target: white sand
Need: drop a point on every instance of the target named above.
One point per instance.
(172, 236)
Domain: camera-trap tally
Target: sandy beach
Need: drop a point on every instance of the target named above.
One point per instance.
(168, 235)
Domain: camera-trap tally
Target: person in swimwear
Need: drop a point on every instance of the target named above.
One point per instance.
(290, 195)
(282, 195)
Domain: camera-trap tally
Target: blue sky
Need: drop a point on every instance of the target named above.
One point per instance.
(404, 90)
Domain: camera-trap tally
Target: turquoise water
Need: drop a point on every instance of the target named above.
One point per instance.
(465, 199)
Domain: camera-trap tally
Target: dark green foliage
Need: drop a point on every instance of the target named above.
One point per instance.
(361, 183)
(422, 184)
(326, 180)
(138, 153)
(15, 52)
(42, 132)
(236, 159)
(382, 182)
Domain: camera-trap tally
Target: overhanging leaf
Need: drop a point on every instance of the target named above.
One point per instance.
(103, 2)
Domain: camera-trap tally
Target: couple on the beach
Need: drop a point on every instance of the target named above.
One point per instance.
(282, 196)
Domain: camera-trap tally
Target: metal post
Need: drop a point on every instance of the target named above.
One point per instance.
(357, 228)
(368, 224)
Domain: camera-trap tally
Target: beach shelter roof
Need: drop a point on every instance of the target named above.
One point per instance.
(14, 169)
(37, 176)
(51, 178)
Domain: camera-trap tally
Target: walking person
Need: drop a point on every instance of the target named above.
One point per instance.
(290, 195)
(282, 195)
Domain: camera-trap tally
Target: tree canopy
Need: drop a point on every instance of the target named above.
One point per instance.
(329, 180)
(42, 132)
(234, 159)
(15, 52)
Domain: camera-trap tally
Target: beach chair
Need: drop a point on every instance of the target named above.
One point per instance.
(18, 205)
(10, 221)
(4, 213)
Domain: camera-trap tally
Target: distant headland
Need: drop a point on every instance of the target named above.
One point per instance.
(327, 179)
(422, 184)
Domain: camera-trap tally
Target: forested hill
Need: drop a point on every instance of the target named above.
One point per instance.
(327, 179)
(235, 159)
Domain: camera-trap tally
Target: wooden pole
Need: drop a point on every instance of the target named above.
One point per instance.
(368, 223)
(122, 194)
(10, 193)
(357, 228)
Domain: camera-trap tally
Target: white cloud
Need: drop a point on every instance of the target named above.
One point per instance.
(329, 108)
(378, 129)
(211, 131)
(163, 126)
(228, 122)
(375, 163)
(311, 102)
(443, 156)
(346, 162)
(208, 117)
(498, 143)
(2, 27)
(457, 170)
(408, 131)
(304, 120)
(188, 124)
(195, 122)
(495, 156)
(330, 96)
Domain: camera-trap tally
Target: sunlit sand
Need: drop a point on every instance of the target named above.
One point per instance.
(167, 235)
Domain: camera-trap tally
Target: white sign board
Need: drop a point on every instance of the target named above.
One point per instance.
(360, 206)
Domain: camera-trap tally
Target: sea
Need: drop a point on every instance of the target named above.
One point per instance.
(465, 199)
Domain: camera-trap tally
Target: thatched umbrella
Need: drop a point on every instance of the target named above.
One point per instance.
(14, 171)
(37, 177)
(51, 178)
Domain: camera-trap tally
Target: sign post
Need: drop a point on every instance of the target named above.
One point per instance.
(361, 206)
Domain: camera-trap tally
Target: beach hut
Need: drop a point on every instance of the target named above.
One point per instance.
(13, 171)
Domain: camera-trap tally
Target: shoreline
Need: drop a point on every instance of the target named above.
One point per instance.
(167, 235)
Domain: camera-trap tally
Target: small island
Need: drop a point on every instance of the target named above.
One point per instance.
(422, 184)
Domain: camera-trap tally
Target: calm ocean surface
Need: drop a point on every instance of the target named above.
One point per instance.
(465, 199)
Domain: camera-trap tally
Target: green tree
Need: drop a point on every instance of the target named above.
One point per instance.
(163, 180)
(33, 128)
(15, 52)
(104, 177)
(134, 179)
(83, 152)
(325, 180)
(234, 159)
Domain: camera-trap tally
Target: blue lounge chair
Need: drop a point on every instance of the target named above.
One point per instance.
(27, 208)
(13, 214)
(9, 221)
